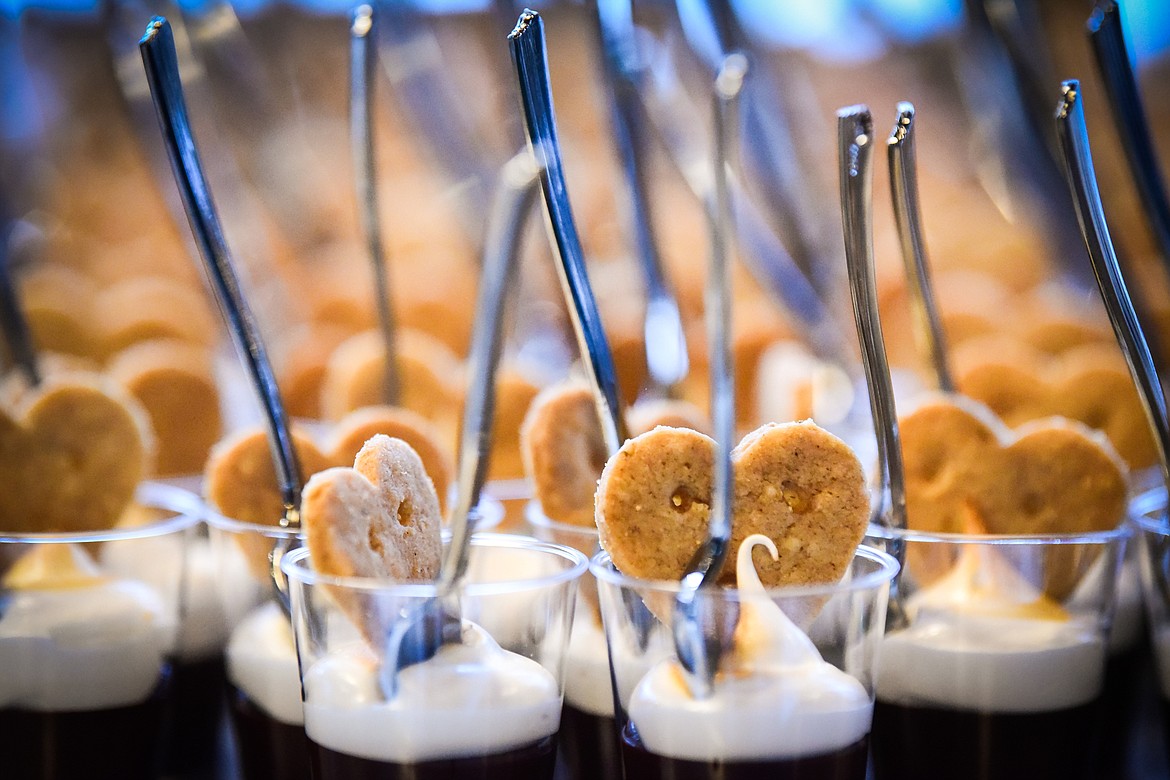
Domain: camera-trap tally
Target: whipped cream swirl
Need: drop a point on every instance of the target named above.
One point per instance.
(774, 698)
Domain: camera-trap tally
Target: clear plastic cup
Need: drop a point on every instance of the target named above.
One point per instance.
(782, 705)
(488, 707)
(588, 742)
(89, 624)
(1153, 533)
(994, 664)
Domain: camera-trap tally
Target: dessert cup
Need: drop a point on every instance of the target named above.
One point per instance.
(488, 707)
(782, 706)
(262, 682)
(996, 667)
(86, 648)
(1153, 533)
(588, 745)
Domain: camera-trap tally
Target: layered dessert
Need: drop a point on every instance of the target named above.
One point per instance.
(467, 708)
(84, 660)
(777, 708)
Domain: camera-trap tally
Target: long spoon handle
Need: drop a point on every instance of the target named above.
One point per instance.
(1082, 180)
(515, 197)
(531, 61)
(158, 56)
(1121, 87)
(666, 348)
(928, 330)
(363, 30)
(855, 140)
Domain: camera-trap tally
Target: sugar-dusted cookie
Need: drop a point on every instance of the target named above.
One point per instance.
(379, 518)
(358, 427)
(72, 452)
(564, 451)
(175, 382)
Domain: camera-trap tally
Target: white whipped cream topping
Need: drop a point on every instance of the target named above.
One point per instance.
(986, 639)
(774, 698)
(262, 663)
(587, 683)
(473, 698)
(1126, 631)
(72, 639)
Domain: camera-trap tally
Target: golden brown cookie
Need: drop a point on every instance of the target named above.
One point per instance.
(379, 518)
(144, 308)
(653, 502)
(175, 382)
(72, 452)
(514, 396)
(564, 451)
(304, 353)
(648, 414)
(239, 480)
(1051, 476)
(58, 304)
(805, 489)
(362, 425)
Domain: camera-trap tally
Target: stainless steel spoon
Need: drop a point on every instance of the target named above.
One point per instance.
(855, 140)
(531, 61)
(158, 57)
(665, 340)
(1108, 39)
(362, 29)
(696, 643)
(1073, 135)
(420, 631)
(928, 332)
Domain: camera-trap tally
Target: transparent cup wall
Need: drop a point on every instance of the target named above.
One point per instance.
(1153, 532)
(749, 721)
(589, 739)
(263, 684)
(994, 663)
(488, 706)
(89, 629)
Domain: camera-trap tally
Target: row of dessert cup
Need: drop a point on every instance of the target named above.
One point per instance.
(1009, 644)
(995, 662)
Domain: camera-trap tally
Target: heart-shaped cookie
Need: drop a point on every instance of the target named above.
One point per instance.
(794, 482)
(379, 518)
(1051, 476)
(72, 452)
(175, 382)
(358, 427)
(1089, 384)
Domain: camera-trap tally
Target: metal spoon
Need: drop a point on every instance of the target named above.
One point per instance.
(855, 140)
(671, 116)
(698, 646)
(1108, 39)
(928, 330)
(13, 326)
(530, 58)
(665, 340)
(158, 57)
(1082, 181)
(420, 631)
(364, 27)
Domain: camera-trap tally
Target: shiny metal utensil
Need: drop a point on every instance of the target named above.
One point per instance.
(928, 332)
(855, 141)
(671, 116)
(362, 28)
(13, 325)
(696, 643)
(531, 60)
(162, 72)
(1125, 102)
(665, 339)
(420, 631)
(1073, 135)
